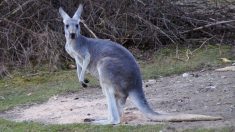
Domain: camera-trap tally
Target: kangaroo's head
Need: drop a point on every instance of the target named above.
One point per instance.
(71, 25)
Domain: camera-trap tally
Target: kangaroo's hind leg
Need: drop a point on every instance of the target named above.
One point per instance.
(121, 101)
(111, 83)
(113, 108)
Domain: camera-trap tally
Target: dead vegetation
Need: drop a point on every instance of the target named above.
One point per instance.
(31, 31)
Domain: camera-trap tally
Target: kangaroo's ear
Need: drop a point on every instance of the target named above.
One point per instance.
(63, 14)
(77, 14)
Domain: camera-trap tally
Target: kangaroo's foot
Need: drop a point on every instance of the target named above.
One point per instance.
(84, 83)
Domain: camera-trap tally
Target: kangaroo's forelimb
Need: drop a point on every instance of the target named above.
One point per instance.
(79, 69)
(85, 63)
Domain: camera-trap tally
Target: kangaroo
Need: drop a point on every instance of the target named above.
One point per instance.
(117, 71)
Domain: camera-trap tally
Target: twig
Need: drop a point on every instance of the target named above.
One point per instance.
(154, 26)
(21, 6)
(208, 25)
(187, 54)
(92, 33)
(141, 2)
(177, 51)
(17, 25)
(179, 59)
(221, 40)
(202, 44)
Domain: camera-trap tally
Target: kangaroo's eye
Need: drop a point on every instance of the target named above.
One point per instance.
(67, 26)
(76, 25)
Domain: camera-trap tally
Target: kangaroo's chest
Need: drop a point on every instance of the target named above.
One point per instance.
(74, 54)
(70, 51)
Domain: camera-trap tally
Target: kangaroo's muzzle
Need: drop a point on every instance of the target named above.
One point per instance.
(72, 35)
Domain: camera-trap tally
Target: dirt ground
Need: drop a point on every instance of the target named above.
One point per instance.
(202, 92)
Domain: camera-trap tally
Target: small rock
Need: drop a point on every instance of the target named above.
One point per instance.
(185, 75)
(55, 97)
(88, 120)
(55, 117)
(127, 112)
(223, 77)
(131, 108)
(195, 75)
(2, 98)
(202, 70)
(151, 81)
(211, 87)
(180, 101)
(76, 98)
(71, 66)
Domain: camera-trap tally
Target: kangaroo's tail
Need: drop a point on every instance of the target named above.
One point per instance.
(138, 98)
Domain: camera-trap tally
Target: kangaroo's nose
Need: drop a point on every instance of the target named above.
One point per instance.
(72, 35)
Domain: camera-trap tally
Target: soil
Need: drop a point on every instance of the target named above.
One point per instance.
(203, 92)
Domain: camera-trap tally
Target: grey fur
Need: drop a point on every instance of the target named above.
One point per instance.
(114, 66)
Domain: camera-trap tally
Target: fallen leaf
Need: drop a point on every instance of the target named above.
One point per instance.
(225, 60)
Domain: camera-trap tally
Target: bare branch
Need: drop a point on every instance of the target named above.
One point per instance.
(208, 25)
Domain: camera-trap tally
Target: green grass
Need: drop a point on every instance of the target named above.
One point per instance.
(25, 88)
(37, 88)
(225, 129)
(166, 63)
(9, 126)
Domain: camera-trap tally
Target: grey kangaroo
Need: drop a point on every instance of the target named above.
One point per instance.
(117, 70)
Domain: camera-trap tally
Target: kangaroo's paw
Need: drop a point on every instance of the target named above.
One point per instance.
(84, 84)
(86, 80)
